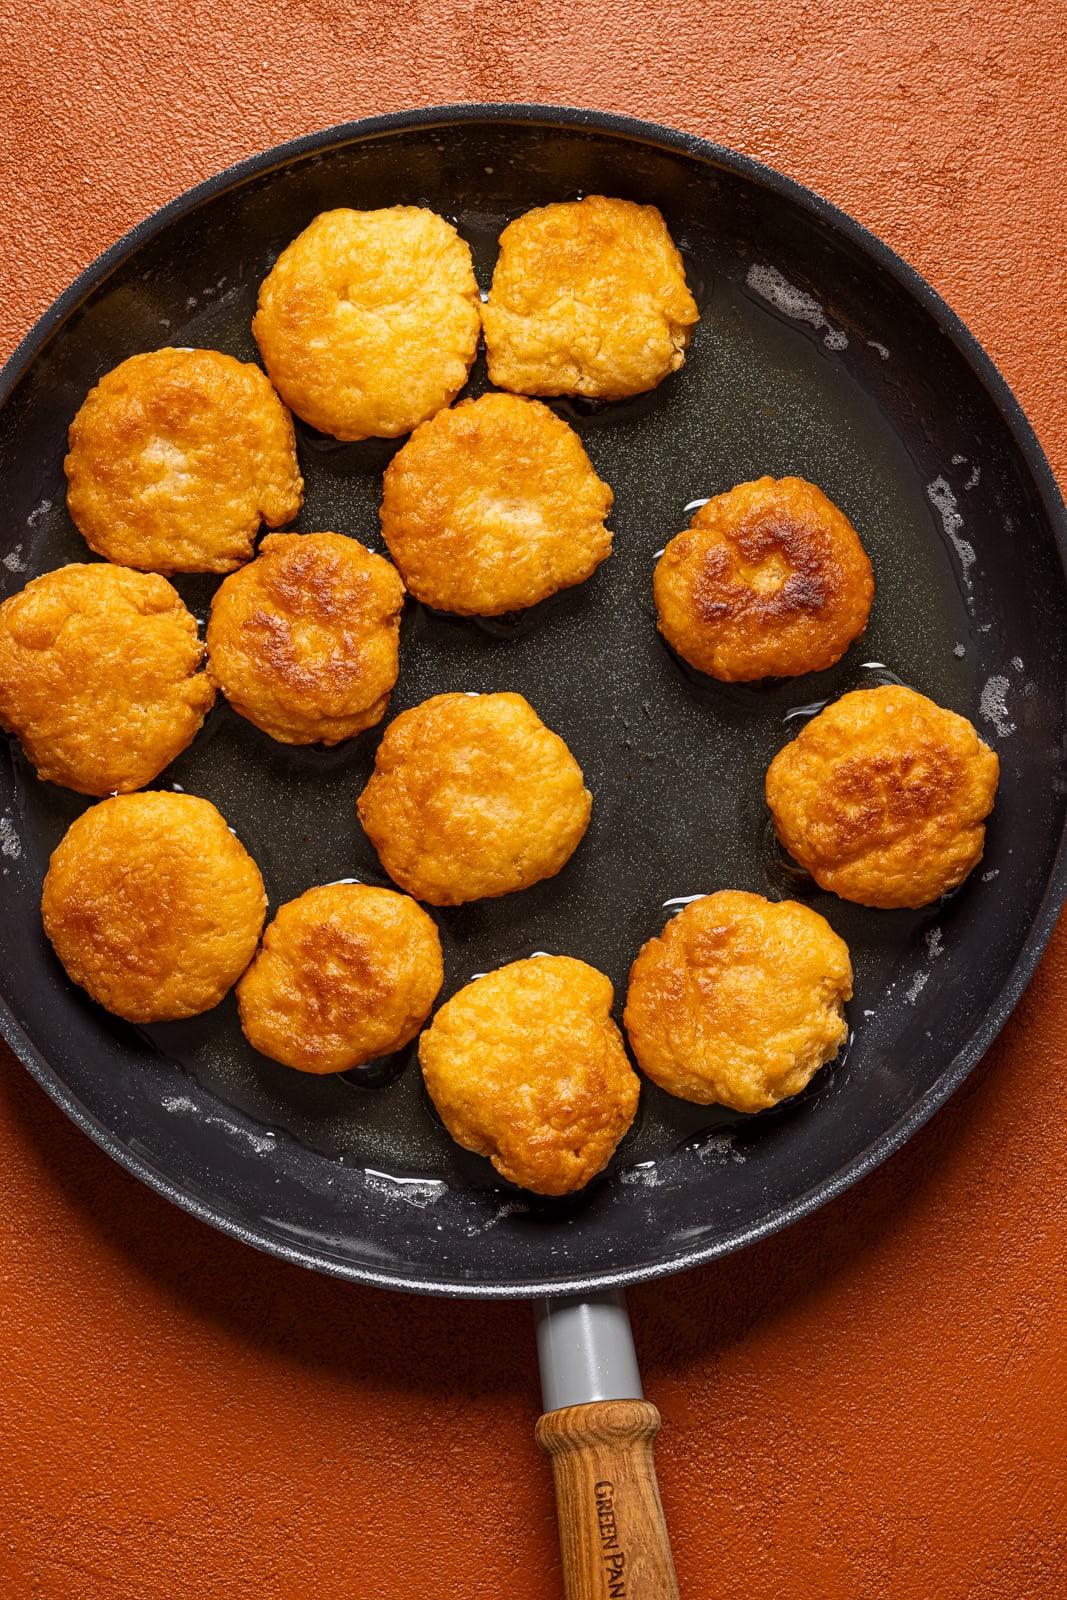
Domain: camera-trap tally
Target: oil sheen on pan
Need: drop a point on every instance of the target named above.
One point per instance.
(817, 355)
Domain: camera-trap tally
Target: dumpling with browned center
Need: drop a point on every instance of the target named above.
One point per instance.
(883, 797)
(769, 580)
(304, 640)
(345, 973)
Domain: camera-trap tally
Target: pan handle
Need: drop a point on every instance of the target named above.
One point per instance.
(597, 1431)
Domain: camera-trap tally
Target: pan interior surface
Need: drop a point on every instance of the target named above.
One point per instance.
(814, 356)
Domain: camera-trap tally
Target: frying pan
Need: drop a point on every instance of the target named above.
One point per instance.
(818, 353)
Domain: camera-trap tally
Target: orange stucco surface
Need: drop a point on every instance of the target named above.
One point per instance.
(868, 1407)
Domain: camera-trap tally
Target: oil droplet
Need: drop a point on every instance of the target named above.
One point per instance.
(885, 675)
(812, 709)
(782, 872)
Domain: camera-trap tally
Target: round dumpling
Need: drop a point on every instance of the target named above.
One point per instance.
(526, 1066)
(472, 796)
(177, 458)
(368, 322)
(153, 905)
(100, 676)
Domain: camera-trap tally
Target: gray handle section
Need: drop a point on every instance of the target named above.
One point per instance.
(586, 1350)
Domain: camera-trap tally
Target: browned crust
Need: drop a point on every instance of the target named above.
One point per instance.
(304, 640)
(346, 973)
(152, 905)
(770, 580)
(883, 797)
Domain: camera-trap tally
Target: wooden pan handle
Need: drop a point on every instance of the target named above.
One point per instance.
(611, 1529)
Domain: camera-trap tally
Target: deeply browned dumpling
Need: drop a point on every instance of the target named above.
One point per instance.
(770, 580)
(100, 676)
(492, 506)
(345, 973)
(176, 459)
(304, 640)
(526, 1066)
(473, 796)
(368, 322)
(883, 797)
(739, 1001)
(588, 297)
(154, 907)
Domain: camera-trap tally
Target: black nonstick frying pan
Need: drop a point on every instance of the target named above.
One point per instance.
(818, 353)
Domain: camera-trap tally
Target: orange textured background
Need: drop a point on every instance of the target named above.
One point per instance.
(869, 1407)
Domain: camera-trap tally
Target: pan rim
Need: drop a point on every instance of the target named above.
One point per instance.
(1007, 406)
